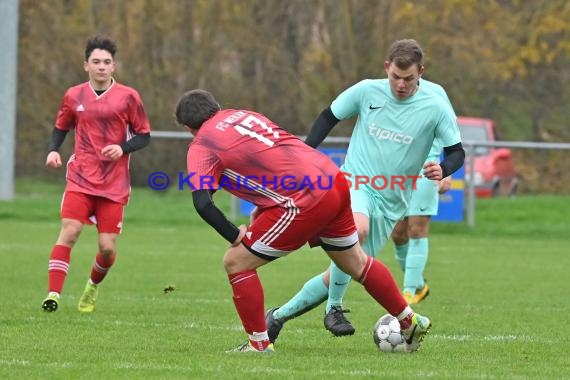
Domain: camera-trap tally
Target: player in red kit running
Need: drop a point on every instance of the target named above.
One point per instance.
(110, 123)
(255, 159)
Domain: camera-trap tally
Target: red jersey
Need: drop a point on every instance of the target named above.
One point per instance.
(253, 158)
(110, 118)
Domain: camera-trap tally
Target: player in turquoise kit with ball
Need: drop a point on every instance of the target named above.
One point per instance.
(398, 120)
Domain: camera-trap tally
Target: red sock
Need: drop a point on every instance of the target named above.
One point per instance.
(406, 321)
(58, 267)
(380, 284)
(248, 299)
(101, 266)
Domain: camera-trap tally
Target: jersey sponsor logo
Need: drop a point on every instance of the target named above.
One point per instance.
(80, 108)
(248, 234)
(371, 107)
(384, 134)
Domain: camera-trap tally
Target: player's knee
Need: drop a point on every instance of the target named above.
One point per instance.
(232, 264)
(107, 252)
(418, 227)
(107, 244)
(69, 234)
(418, 231)
(360, 264)
(399, 238)
(352, 262)
(362, 226)
(363, 233)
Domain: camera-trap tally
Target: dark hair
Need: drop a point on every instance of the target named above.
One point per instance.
(100, 41)
(405, 53)
(195, 107)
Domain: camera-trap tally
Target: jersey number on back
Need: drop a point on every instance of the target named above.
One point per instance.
(247, 128)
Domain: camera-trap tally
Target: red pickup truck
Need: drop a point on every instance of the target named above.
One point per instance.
(494, 171)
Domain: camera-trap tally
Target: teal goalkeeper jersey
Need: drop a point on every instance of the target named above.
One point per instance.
(392, 138)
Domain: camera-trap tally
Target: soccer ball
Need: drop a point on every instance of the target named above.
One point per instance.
(387, 335)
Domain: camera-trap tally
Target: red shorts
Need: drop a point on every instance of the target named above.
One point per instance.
(277, 231)
(91, 209)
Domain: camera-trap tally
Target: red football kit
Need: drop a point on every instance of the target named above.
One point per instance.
(101, 120)
(253, 158)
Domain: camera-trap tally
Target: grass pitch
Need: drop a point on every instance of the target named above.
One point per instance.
(499, 301)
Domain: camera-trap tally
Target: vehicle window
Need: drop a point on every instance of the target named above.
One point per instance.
(475, 133)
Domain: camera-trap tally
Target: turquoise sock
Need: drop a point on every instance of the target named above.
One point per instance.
(337, 286)
(313, 293)
(401, 253)
(415, 264)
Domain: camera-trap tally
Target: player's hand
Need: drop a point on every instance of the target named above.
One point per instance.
(112, 152)
(433, 171)
(444, 185)
(242, 231)
(53, 160)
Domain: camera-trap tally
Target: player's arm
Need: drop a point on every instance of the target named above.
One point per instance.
(135, 143)
(206, 208)
(453, 157)
(321, 128)
(115, 151)
(57, 138)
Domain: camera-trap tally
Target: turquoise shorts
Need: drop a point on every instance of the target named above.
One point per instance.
(425, 198)
(380, 226)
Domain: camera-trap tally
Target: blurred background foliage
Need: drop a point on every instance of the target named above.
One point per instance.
(503, 59)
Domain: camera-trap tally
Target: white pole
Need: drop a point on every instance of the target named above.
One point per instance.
(471, 187)
(8, 79)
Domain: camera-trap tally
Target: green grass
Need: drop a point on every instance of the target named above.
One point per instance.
(499, 301)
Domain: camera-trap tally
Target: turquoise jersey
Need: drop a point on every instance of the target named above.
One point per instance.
(392, 138)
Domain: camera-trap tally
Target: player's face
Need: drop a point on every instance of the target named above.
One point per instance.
(403, 83)
(100, 67)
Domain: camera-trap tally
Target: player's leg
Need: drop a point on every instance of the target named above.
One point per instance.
(423, 204)
(313, 293)
(267, 239)
(334, 320)
(241, 266)
(109, 219)
(400, 238)
(75, 209)
(338, 279)
(415, 288)
(380, 284)
(378, 230)
(343, 248)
